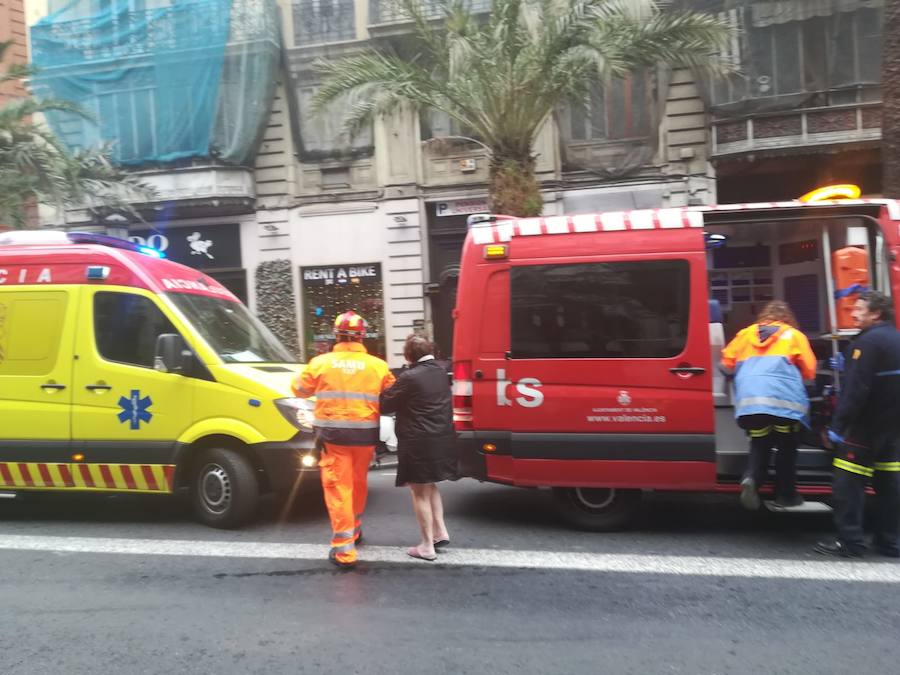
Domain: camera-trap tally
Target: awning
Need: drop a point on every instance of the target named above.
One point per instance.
(773, 12)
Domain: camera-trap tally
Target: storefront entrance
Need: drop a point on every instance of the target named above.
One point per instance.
(332, 290)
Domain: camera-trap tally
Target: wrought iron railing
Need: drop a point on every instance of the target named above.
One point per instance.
(319, 21)
(144, 32)
(797, 128)
(391, 11)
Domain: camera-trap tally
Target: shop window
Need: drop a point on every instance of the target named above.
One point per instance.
(330, 291)
(600, 310)
(126, 327)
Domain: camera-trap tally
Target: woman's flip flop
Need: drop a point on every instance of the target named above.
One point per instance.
(441, 543)
(413, 552)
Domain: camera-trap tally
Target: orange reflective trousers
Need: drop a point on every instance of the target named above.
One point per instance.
(345, 475)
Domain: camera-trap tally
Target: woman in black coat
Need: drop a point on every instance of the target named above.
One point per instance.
(426, 440)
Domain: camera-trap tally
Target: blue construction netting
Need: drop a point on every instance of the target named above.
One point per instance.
(162, 80)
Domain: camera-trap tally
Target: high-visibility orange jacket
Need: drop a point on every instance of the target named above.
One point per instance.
(346, 383)
(771, 361)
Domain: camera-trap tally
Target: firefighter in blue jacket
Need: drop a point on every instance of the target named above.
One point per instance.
(865, 431)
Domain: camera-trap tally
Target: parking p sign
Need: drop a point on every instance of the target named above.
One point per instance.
(462, 207)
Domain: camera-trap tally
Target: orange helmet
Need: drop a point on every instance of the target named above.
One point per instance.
(350, 324)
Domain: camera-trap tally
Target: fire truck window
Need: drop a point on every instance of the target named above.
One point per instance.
(600, 310)
(126, 327)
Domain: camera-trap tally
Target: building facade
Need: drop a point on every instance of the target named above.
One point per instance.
(12, 29)
(807, 109)
(394, 199)
(180, 91)
(313, 222)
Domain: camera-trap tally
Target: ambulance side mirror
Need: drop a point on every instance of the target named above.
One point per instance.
(172, 354)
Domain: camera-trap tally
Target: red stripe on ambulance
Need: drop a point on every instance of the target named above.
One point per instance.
(66, 475)
(149, 477)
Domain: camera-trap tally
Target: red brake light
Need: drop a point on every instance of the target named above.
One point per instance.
(462, 395)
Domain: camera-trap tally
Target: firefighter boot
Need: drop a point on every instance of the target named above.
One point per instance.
(839, 549)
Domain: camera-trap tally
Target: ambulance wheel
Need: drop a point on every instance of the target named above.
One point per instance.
(596, 509)
(225, 492)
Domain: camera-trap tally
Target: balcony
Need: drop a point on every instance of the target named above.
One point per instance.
(323, 21)
(168, 87)
(202, 183)
(797, 129)
(386, 12)
(142, 33)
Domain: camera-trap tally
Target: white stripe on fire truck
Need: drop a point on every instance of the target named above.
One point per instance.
(584, 223)
(530, 227)
(643, 219)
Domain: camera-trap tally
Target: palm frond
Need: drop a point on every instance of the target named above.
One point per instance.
(503, 77)
(37, 166)
(678, 39)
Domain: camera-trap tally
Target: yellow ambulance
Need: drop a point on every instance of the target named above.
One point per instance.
(121, 371)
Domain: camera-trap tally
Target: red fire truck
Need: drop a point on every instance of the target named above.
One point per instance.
(586, 347)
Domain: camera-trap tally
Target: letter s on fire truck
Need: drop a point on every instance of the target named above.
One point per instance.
(586, 347)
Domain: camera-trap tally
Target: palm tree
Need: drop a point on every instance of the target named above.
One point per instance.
(890, 107)
(36, 167)
(502, 77)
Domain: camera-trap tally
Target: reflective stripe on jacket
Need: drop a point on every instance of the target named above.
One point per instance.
(770, 363)
(346, 383)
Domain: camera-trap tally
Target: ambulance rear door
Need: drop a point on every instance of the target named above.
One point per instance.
(37, 331)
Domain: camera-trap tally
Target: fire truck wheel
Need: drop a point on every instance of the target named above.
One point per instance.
(596, 509)
(225, 492)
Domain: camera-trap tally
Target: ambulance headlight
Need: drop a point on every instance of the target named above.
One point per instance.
(297, 411)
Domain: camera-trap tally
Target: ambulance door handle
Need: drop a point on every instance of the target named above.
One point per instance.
(97, 387)
(687, 370)
(52, 386)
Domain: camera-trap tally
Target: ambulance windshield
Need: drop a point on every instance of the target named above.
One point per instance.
(231, 330)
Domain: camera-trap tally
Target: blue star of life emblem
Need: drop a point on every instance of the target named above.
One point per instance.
(135, 409)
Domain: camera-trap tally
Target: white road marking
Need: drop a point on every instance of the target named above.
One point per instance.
(812, 570)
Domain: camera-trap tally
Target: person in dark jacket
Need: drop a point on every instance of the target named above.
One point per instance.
(865, 431)
(426, 440)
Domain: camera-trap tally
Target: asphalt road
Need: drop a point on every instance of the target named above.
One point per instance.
(132, 585)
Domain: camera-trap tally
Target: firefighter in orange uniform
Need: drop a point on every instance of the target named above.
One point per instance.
(346, 383)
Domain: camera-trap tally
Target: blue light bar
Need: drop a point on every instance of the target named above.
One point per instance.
(714, 240)
(113, 242)
(149, 250)
(97, 272)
